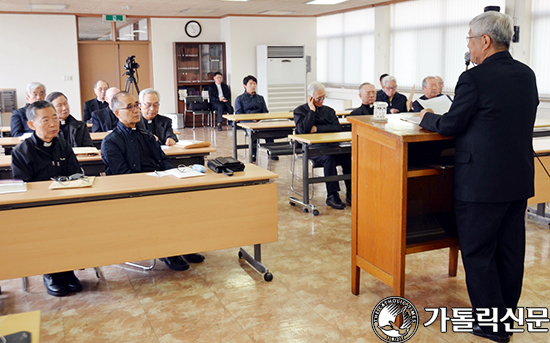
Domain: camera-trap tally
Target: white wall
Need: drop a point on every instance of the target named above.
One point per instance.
(41, 48)
(243, 34)
(164, 32)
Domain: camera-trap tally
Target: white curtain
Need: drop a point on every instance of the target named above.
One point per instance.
(540, 45)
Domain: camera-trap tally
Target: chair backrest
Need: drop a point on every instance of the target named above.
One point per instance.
(191, 99)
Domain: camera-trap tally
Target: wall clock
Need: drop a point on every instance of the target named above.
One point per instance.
(193, 29)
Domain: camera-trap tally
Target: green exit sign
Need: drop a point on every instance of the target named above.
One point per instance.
(114, 17)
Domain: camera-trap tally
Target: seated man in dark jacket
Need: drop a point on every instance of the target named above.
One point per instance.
(220, 98)
(39, 158)
(159, 126)
(18, 123)
(367, 93)
(129, 149)
(104, 120)
(73, 131)
(397, 102)
(97, 103)
(313, 117)
(430, 87)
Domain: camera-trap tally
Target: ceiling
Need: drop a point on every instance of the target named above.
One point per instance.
(188, 8)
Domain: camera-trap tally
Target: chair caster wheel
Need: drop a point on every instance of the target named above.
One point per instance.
(306, 210)
(315, 213)
(240, 255)
(291, 203)
(268, 276)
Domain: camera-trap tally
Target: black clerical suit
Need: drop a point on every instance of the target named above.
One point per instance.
(416, 107)
(217, 105)
(159, 126)
(127, 150)
(91, 106)
(18, 122)
(103, 120)
(399, 101)
(75, 132)
(363, 110)
(324, 118)
(492, 117)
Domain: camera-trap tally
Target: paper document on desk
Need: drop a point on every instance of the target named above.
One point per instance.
(183, 172)
(80, 183)
(439, 104)
(85, 150)
(12, 186)
(190, 144)
(415, 119)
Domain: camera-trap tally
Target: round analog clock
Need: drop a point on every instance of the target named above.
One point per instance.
(193, 29)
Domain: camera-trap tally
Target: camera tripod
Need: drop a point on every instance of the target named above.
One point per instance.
(131, 84)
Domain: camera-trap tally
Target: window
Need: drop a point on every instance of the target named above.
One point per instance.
(133, 29)
(540, 49)
(428, 37)
(93, 28)
(345, 48)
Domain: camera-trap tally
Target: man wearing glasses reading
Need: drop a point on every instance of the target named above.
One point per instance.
(159, 126)
(129, 149)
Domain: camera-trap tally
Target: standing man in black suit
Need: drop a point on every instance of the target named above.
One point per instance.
(492, 118)
(220, 98)
(97, 103)
(159, 126)
(104, 120)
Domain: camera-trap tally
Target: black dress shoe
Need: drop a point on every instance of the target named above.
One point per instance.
(72, 282)
(194, 258)
(493, 337)
(176, 263)
(334, 201)
(219, 126)
(348, 198)
(55, 285)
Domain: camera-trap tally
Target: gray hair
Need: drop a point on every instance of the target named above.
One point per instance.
(365, 84)
(116, 103)
(34, 85)
(425, 81)
(498, 26)
(314, 86)
(387, 79)
(146, 91)
(37, 105)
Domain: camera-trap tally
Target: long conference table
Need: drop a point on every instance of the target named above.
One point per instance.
(94, 166)
(47, 231)
(8, 143)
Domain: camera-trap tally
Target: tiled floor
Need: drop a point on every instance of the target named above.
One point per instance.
(225, 300)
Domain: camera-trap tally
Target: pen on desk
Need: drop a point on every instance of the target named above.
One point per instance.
(157, 174)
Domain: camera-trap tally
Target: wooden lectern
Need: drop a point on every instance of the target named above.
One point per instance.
(402, 197)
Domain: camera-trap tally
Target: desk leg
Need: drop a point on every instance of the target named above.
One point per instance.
(256, 261)
(305, 184)
(250, 145)
(453, 260)
(235, 140)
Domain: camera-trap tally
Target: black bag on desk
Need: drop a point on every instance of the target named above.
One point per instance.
(226, 165)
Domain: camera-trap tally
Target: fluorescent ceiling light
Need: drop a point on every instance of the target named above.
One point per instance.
(325, 2)
(51, 7)
(233, 0)
(192, 10)
(276, 12)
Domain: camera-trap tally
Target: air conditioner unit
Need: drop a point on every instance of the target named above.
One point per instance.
(282, 76)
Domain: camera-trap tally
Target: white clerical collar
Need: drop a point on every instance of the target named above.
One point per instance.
(47, 144)
(150, 121)
(62, 122)
(134, 128)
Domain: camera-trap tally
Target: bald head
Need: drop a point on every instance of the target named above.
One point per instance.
(109, 95)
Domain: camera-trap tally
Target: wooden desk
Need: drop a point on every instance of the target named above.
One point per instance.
(26, 321)
(541, 145)
(263, 129)
(106, 224)
(10, 142)
(236, 118)
(398, 206)
(94, 166)
(314, 144)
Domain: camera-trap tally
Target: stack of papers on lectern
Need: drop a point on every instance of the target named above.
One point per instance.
(12, 186)
(439, 104)
(190, 144)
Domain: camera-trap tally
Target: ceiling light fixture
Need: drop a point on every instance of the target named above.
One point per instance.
(47, 7)
(193, 10)
(325, 2)
(276, 12)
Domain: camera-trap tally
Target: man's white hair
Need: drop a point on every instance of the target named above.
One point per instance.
(314, 86)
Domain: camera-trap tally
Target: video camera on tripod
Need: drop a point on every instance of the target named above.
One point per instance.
(131, 69)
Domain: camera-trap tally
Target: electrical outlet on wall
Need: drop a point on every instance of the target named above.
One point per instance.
(67, 77)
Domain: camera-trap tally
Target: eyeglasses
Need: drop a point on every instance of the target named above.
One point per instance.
(391, 88)
(182, 168)
(149, 105)
(470, 37)
(131, 107)
(321, 98)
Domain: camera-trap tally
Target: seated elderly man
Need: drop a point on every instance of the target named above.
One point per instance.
(397, 102)
(430, 89)
(367, 93)
(35, 91)
(159, 126)
(97, 103)
(104, 120)
(129, 149)
(313, 117)
(42, 156)
(73, 131)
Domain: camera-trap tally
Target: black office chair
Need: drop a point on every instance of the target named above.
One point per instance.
(198, 107)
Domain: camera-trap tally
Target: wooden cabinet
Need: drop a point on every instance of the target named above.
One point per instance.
(402, 204)
(195, 65)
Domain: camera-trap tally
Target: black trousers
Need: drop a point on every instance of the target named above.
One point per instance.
(221, 108)
(329, 163)
(492, 242)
